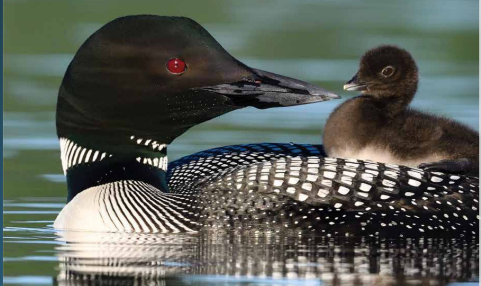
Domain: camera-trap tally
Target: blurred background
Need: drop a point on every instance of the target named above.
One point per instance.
(316, 41)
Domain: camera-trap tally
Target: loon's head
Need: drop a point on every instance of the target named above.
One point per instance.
(155, 77)
(385, 72)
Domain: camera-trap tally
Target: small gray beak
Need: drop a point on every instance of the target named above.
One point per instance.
(355, 84)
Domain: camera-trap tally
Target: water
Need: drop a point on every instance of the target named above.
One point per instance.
(315, 41)
(222, 257)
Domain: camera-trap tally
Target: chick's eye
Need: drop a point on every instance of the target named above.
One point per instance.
(388, 71)
(176, 66)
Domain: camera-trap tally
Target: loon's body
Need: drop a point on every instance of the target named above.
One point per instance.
(275, 187)
(379, 125)
(127, 95)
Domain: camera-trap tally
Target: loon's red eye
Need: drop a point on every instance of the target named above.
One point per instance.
(176, 66)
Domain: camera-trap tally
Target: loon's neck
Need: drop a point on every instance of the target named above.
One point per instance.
(87, 167)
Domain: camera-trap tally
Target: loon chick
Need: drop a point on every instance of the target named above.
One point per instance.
(133, 87)
(379, 125)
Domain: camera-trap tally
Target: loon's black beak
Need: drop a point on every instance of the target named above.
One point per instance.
(355, 84)
(265, 89)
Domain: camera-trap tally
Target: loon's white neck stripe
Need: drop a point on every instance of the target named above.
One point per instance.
(149, 143)
(73, 154)
(160, 162)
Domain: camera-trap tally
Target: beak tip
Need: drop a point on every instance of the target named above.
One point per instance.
(354, 87)
(330, 96)
(325, 95)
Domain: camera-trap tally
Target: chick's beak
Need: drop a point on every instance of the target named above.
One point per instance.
(355, 84)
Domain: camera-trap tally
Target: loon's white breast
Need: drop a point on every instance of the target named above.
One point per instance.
(129, 206)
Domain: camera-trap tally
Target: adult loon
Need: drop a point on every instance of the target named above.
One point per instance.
(379, 125)
(141, 81)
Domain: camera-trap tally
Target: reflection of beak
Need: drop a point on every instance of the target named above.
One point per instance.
(265, 90)
(355, 84)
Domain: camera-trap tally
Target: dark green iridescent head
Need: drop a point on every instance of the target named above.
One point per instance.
(119, 83)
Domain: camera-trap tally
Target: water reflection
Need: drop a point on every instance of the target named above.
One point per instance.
(261, 258)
